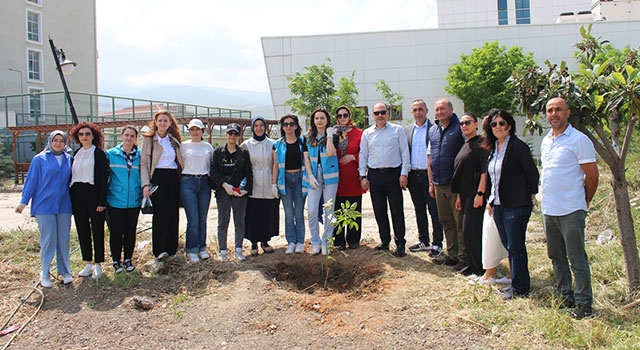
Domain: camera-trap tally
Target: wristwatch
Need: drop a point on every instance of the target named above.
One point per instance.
(480, 193)
(362, 178)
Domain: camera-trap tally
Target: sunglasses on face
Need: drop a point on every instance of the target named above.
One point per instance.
(233, 133)
(379, 112)
(289, 124)
(466, 122)
(343, 116)
(81, 134)
(501, 123)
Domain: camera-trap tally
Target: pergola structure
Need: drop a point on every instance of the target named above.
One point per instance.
(21, 169)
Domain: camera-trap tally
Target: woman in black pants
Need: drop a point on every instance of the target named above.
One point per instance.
(89, 195)
(160, 165)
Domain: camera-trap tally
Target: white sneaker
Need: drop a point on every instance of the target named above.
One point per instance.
(45, 282)
(163, 256)
(299, 248)
(503, 280)
(222, 256)
(97, 271)
(239, 255)
(87, 271)
(66, 279)
(324, 249)
(290, 248)
(193, 257)
(315, 249)
(204, 255)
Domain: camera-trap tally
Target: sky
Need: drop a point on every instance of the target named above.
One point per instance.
(213, 43)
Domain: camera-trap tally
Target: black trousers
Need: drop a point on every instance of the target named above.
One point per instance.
(472, 233)
(353, 234)
(384, 185)
(89, 222)
(419, 189)
(122, 223)
(165, 211)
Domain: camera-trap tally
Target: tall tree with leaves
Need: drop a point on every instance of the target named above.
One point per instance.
(604, 97)
(316, 88)
(480, 79)
(392, 98)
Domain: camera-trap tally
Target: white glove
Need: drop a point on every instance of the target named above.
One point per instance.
(313, 182)
(330, 132)
(228, 188)
(274, 191)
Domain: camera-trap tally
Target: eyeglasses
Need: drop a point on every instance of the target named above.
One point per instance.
(501, 123)
(343, 116)
(81, 134)
(466, 122)
(288, 124)
(232, 133)
(379, 112)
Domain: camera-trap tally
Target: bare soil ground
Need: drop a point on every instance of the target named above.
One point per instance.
(358, 299)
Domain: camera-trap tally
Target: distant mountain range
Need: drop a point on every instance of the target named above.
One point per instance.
(259, 103)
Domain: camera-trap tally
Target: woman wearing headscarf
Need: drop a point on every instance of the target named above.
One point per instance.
(124, 196)
(514, 183)
(347, 143)
(47, 187)
(89, 195)
(195, 192)
(160, 165)
(263, 216)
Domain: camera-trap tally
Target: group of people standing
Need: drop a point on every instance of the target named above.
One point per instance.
(451, 172)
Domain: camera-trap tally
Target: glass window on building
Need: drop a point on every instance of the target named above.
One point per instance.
(35, 104)
(37, 2)
(33, 26)
(523, 12)
(503, 13)
(35, 65)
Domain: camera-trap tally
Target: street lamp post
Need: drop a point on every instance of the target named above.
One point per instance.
(64, 67)
(21, 88)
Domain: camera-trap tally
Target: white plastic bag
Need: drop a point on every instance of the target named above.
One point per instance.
(493, 252)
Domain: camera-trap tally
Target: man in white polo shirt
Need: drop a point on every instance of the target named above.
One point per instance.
(569, 181)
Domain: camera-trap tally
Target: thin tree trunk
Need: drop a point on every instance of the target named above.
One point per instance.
(625, 224)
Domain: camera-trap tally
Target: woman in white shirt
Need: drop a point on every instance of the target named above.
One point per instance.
(89, 195)
(263, 215)
(160, 165)
(195, 192)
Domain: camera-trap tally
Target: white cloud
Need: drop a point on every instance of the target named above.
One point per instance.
(217, 43)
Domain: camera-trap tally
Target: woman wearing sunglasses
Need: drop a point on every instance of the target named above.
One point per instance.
(514, 183)
(347, 144)
(469, 182)
(288, 180)
(321, 158)
(89, 195)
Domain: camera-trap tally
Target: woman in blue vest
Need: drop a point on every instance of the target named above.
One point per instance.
(289, 180)
(124, 195)
(47, 187)
(321, 158)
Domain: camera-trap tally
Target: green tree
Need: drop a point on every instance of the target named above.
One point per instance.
(480, 79)
(604, 97)
(392, 98)
(316, 88)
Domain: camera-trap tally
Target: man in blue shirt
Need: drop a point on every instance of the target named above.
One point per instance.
(383, 166)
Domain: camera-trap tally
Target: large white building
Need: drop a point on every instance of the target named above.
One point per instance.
(415, 62)
(27, 65)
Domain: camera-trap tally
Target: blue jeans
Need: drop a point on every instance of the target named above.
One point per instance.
(512, 226)
(54, 239)
(195, 195)
(565, 243)
(293, 204)
(324, 193)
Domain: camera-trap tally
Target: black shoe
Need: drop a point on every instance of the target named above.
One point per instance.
(128, 266)
(382, 246)
(466, 271)
(400, 252)
(341, 247)
(582, 311)
(446, 260)
(117, 266)
(435, 251)
(420, 247)
(354, 246)
(566, 303)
